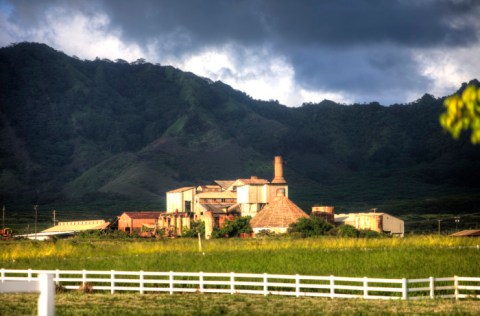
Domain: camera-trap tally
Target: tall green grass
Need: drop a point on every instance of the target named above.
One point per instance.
(75, 303)
(411, 257)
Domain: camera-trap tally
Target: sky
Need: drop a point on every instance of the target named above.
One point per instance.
(293, 51)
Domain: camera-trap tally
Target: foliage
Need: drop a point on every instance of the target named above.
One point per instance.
(264, 233)
(367, 233)
(347, 231)
(196, 227)
(463, 113)
(307, 227)
(233, 228)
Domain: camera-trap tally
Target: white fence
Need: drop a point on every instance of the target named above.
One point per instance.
(43, 284)
(263, 284)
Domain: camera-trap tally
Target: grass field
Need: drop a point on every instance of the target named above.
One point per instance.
(75, 303)
(410, 257)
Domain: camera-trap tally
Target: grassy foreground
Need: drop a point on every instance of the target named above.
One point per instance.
(411, 257)
(75, 303)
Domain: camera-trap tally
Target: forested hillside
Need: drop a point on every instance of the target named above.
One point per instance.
(110, 134)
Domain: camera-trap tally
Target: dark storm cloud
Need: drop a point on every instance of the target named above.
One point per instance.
(362, 46)
(344, 45)
(379, 75)
(307, 22)
(344, 22)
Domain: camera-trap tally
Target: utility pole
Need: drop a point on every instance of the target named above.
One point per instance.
(35, 207)
(54, 219)
(457, 220)
(3, 217)
(439, 221)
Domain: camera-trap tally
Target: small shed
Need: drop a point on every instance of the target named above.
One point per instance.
(130, 222)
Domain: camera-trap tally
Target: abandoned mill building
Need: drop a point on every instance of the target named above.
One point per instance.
(224, 199)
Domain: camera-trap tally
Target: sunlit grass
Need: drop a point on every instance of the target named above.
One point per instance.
(416, 256)
(74, 303)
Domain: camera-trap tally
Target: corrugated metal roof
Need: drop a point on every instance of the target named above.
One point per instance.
(279, 213)
(225, 184)
(77, 226)
(467, 233)
(181, 189)
(217, 195)
(216, 208)
(142, 215)
(209, 186)
(254, 181)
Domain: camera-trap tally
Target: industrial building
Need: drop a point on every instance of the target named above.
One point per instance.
(66, 229)
(379, 222)
(131, 222)
(222, 199)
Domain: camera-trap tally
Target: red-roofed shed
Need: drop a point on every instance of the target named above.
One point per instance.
(130, 222)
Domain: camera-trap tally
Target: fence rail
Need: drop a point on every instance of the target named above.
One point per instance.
(42, 284)
(264, 284)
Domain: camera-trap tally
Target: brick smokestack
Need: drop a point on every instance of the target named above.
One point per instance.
(278, 165)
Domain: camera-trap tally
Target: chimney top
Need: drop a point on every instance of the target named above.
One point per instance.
(254, 177)
(278, 175)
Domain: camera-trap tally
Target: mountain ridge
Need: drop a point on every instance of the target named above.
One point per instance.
(112, 134)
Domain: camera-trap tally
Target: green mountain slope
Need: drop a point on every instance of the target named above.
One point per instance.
(104, 135)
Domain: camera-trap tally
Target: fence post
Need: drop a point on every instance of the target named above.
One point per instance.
(57, 277)
(365, 287)
(3, 275)
(455, 286)
(46, 300)
(265, 284)
(141, 282)
(29, 275)
(112, 281)
(432, 287)
(297, 285)
(171, 282)
(404, 289)
(332, 286)
(200, 281)
(84, 277)
(232, 283)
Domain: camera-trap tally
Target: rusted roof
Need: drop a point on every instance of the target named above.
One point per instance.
(235, 207)
(467, 233)
(279, 213)
(251, 181)
(225, 184)
(217, 195)
(254, 181)
(209, 186)
(76, 226)
(181, 189)
(142, 215)
(216, 208)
